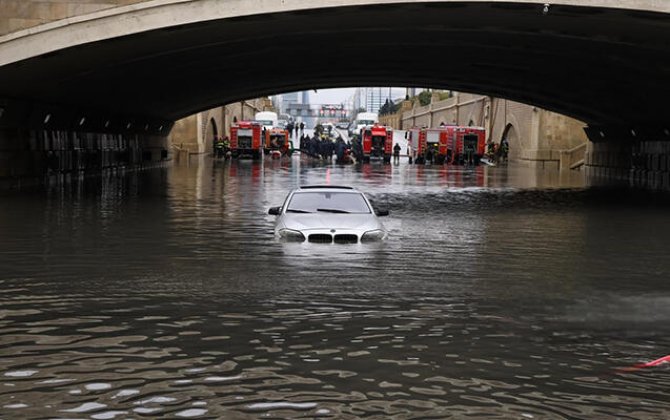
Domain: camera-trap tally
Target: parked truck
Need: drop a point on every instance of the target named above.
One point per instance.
(277, 141)
(468, 145)
(268, 119)
(246, 139)
(376, 143)
(363, 119)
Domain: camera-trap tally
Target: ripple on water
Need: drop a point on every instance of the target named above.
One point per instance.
(492, 298)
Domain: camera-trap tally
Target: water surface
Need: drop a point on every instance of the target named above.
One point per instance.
(501, 293)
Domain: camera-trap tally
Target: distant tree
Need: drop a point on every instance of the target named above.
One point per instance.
(389, 107)
(425, 97)
(386, 108)
(446, 95)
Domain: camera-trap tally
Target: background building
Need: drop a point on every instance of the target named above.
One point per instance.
(372, 98)
(289, 100)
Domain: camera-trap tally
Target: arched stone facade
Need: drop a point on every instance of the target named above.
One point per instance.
(196, 132)
(536, 137)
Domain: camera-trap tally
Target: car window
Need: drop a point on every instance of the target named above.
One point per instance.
(336, 202)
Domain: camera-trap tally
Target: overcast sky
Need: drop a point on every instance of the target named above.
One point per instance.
(338, 96)
(330, 96)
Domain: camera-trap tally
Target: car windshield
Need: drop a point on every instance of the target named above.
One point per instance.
(328, 202)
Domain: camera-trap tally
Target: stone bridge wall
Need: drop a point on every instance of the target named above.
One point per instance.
(195, 134)
(536, 137)
(23, 14)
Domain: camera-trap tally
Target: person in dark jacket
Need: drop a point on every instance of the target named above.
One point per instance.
(396, 154)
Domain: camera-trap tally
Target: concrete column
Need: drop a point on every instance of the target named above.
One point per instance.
(200, 134)
(430, 114)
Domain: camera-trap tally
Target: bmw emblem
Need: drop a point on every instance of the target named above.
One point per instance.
(332, 231)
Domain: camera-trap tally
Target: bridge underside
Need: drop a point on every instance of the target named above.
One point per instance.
(607, 67)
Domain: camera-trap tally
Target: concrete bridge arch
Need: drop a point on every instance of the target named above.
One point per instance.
(151, 58)
(144, 65)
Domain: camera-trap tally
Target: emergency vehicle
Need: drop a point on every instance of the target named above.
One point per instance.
(245, 139)
(276, 140)
(468, 145)
(431, 141)
(376, 142)
(413, 137)
(268, 119)
(364, 119)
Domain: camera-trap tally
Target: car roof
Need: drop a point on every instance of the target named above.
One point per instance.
(342, 188)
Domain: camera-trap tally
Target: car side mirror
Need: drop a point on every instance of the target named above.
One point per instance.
(275, 211)
(382, 212)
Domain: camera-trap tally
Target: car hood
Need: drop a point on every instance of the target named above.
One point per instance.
(300, 221)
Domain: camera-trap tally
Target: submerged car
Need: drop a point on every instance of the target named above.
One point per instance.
(327, 214)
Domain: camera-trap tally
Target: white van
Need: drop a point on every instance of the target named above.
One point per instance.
(364, 119)
(268, 119)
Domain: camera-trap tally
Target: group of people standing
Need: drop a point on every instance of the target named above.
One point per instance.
(295, 129)
(323, 147)
(498, 153)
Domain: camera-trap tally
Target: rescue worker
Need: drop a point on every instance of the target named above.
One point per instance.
(220, 152)
(429, 155)
(504, 149)
(396, 154)
(226, 147)
(314, 146)
(357, 148)
(339, 150)
(215, 139)
(490, 150)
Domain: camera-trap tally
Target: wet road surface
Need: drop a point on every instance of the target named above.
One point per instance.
(501, 293)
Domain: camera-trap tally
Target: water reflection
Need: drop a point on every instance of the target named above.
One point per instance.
(501, 292)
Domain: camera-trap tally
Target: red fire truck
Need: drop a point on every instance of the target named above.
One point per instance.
(468, 145)
(276, 140)
(414, 141)
(437, 143)
(431, 144)
(245, 139)
(376, 142)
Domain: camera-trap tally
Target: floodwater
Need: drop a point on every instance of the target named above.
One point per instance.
(500, 293)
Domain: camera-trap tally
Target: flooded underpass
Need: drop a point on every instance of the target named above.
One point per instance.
(500, 293)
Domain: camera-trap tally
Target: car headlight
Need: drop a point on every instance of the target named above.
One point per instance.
(373, 235)
(291, 235)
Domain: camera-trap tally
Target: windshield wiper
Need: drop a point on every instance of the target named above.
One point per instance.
(332, 210)
(297, 211)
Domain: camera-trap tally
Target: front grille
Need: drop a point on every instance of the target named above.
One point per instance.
(323, 238)
(346, 239)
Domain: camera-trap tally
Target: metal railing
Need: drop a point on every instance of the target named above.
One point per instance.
(573, 158)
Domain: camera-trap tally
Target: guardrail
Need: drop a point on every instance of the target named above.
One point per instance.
(573, 158)
(180, 154)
